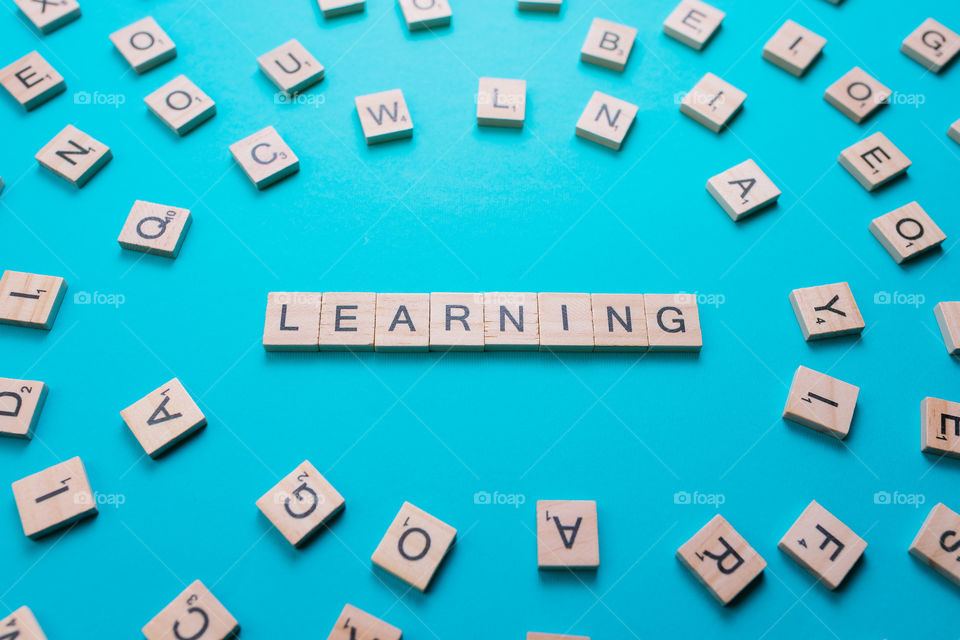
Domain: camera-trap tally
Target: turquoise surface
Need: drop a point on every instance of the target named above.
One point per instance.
(459, 208)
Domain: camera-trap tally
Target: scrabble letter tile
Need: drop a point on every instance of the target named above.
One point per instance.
(948, 318)
(932, 45)
(292, 322)
(21, 625)
(619, 322)
(403, 322)
(874, 161)
(566, 322)
(673, 322)
(195, 613)
(743, 189)
(144, 44)
(693, 23)
(857, 95)
(414, 546)
(826, 311)
(74, 156)
(713, 102)
(54, 498)
(155, 228)
(937, 542)
(511, 321)
(954, 132)
(606, 120)
(552, 6)
(567, 534)
(291, 67)
(301, 503)
(333, 8)
(49, 15)
(384, 116)
(793, 48)
(354, 624)
(265, 157)
(31, 80)
(608, 44)
(940, 427)
(456, 322)
(721, 560)
(823, 545)
(907, 232)
(425, 14)
(181, 105)
(164, 418)
(501, 102)
(348, 321)
(21, 402)
(30, 300)
(820, 402)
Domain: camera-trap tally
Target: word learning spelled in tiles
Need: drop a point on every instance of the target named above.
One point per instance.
(456, 322)
(49, 15)
(721, 560)
(940, 427)
(402, 322)
(74, 156)
(153, 228)
(501, 102)
(144, 44)
(414, 546)
(566, 322)
(823, 545)
(606, 120)
(21, 625)
(713, 102)
(948, 319)
(164, 418)
(820, 402)
(384, 116)
(907, 232)
(794, 48)
(567, 534)
(31, 80)
(932, 45)
(938, 542)
(291, 67)
(857, 95)
(826, 311)
(21, 402)
(425, 14)
(265, 157)
(30, 300)
(301, 503)
(743, 189)
(874, 161)
(195, 613)
(354, 624)
(511, 321)
(693, 23)
(608, 44)
(181, 105)
(292, 322)
(54, 498)
(620, 322)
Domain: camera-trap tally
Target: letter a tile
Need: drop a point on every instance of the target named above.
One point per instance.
(567, 534)
(414, 546)
(721, 560)
(164, 418)
(743, 189)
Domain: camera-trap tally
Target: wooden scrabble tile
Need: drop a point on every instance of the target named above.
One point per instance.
(937, 542)
(693, 23)
(403, 322)
(501, 102)
(566, 321)
(348, 321)
(414, 546)
(713, 102)
(721, 560)
(384, 116)
(265, 157)
(195, 613)
(425, 14)
(511, 321)
(181, 105)
(30, 300)
(857, 95)
(165, 417)
(21, 402)
(820, 402)
(932, 45)
(948, 319)
(954, 132)
(291, 67)
(333, 8)
(673, 322)
(144, 44)
(874, 161)
(940, 427)
(153, 228)
(552, 6)
(567, 534)
(354, 624)
(54, 498)
(292, 321)
(301, 503)
(456, 322)
(606, 120)
(553, 636)
(823, 545)
(619, 322)
(826, 311)
(608, 44)
(907, 232)
(794, 48)
(743, 189)
(31, 80)
(74, 156)
(21, 625)
(49, 15)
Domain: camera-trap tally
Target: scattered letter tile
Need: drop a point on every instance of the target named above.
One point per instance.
(826, 311)
(403, 322)
(823, 545)
(74, 156)
(301, 503)
(619, 322)
(54, 498)
(540, 5)
(195, 613)
(820, 402)
(30, 300)
(874, 161)
(511, 321)
(954, 132)
(937, 542)
(940, 425)
(144, 44)
(21, 625)
(713, 102)
(932, 45)
(181, 105)
(348, 321)
(164, 418)
(265, 157)
(292, 322)
(567, 534)
(743, 189)
(673, 322)
(948, 319)
(31, 80)
(49, 15)
(793, 48)
(384, 116)
(425, 14)
(501, 102)
(291, 67)
(721, 560)
(333, 8)
(566, 322)
(414, 546)
(456, 322)
(907, 232)
(857, 95)
(608, 44)
(606, 120)
(693, 23)
(21, 402)
(354, 624)
(155, 228)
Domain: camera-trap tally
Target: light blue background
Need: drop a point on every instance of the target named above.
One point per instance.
(459, 208)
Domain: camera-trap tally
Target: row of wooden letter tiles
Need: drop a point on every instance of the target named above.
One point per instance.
(481, 321)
